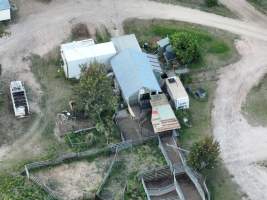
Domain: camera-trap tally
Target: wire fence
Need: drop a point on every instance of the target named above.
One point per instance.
(67, 157)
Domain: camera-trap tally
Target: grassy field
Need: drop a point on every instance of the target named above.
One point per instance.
(217, 47)
(255, 107)
(261, 5)
(219, 180)
(18, 188)
(200, 4)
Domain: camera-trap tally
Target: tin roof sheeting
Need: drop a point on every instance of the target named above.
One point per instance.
(4, 5)
(133, 72)
(163, 118)
(84, 49)
(126, 42)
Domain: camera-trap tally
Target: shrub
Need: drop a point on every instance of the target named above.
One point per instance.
(204, 154)
(79, 31)
(211, 3)
(186, 47)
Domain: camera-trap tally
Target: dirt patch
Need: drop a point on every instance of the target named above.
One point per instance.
(75, 180)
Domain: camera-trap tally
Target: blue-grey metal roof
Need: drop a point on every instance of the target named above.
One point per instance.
(133, 71)
(4, 5)
(126, 42)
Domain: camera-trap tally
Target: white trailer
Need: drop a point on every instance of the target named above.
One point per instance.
(19, 99)
(79, 53)
(5, 10)
(176, 90)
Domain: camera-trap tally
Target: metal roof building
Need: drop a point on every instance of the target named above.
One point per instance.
(126, 42)
(78, 53)
(134, 74)
(4, 10)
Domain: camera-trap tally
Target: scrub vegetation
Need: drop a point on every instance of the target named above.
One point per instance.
(18, 187)
(261, 5)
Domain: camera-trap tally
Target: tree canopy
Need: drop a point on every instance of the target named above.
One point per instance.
(95, 97)
(204, 154)
(186, 47)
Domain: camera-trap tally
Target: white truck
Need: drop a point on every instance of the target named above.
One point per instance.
(19, 99)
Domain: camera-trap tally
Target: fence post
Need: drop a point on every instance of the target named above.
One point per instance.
(27, 172)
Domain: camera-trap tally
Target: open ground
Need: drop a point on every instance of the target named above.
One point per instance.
(41, 27)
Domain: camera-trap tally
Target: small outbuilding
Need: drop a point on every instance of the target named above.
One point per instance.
(177, 92)
(80, 53)
(5, 10)
(163, 118)
(134, 75)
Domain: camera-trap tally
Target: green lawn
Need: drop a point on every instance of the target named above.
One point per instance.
(200, 4)
(255, 107)
(261, 5)
(217, 47)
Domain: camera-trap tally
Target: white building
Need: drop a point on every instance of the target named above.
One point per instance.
(19, 99)
(176, 90)
(4, 10)
(79, 53)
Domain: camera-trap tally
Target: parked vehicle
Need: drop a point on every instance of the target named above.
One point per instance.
(19, 99)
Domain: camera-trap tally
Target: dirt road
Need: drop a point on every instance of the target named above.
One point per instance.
(43, 26)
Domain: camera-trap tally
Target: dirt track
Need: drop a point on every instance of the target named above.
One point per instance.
(42, 27)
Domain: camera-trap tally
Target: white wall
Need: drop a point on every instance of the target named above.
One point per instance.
(74, 67)
(5, 15)
(182, 103)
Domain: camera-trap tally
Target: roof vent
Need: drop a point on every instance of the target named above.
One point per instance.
(171, 80)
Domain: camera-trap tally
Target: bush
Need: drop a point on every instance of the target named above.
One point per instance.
(211, 3)
(80, 31)
(186, 47)
(204, 154)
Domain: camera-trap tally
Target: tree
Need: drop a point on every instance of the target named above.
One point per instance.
(186, 47)
(204, 154)
(95, 98)
(211, 3)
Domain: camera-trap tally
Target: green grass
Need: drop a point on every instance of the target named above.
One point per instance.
(200, 4)
(85, 141)
(18, 188)
(216, 46)
(261, 5)
(255, 107)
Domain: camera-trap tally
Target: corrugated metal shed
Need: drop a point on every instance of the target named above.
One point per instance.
(78, 50)
(126, 42)
(163, 42)
(4, 5)
(163, 118)
(133, 72)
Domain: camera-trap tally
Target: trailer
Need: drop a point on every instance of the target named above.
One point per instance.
(19, 99)
(176, 91)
